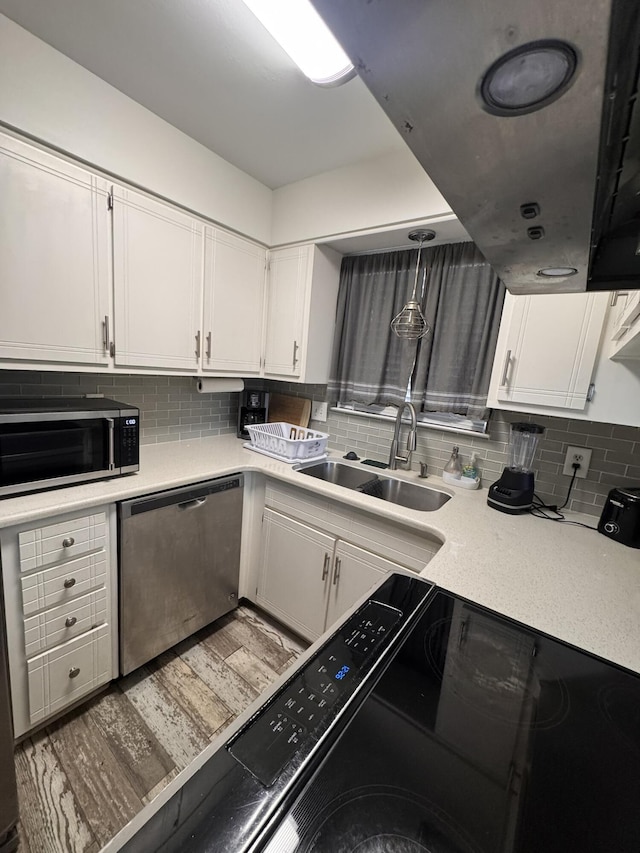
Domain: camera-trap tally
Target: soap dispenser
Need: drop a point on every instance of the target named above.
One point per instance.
(454, 467)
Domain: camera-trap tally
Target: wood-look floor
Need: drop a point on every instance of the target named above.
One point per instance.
(84, 777)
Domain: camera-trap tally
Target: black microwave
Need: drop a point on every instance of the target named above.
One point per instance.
(61, 441)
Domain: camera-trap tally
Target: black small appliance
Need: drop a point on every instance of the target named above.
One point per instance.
(46, 442)
(253, 409)
(620, 519)
(513, 492)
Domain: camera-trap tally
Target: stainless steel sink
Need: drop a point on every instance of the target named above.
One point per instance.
(411, 495)
(401, 492)
(337, 473)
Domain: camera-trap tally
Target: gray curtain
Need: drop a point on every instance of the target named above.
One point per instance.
(370, 363)
(463, 305)
(449, 369)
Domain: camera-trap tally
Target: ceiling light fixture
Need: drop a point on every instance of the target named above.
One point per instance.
(410, 323)
(304, 36)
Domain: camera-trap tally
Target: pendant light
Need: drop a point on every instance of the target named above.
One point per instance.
(410, 323)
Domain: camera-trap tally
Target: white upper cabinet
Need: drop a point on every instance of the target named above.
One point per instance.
(234, 282)
(302, 289)
(158, 273)
(626, 325)
(546, 352)
(54, 258)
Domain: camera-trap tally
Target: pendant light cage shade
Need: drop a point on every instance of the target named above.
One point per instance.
(410, 324)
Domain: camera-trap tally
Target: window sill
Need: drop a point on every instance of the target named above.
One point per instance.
(440, 426)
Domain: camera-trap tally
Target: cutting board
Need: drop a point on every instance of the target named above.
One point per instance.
(293, 410)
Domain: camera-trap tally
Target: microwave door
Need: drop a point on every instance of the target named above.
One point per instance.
(51, 451)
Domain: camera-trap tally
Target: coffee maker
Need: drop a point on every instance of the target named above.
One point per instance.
(513, 492)
(253, 409)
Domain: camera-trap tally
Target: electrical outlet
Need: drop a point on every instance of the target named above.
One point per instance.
(582, 455)
(319, 411)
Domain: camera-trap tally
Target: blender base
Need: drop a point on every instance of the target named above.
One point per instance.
(513, 492)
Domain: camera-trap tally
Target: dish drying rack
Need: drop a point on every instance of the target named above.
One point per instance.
(287, 442)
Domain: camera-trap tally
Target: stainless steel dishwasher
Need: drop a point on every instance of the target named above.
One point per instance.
(179, 555)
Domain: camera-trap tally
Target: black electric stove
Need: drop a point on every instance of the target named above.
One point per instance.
(427, 723)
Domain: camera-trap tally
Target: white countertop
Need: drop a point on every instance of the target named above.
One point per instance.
(565, 580)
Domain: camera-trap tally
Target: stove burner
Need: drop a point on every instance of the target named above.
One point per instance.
(384, 819)
(497, 671)
(620, 705)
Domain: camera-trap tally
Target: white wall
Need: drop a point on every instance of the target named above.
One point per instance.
(50, 97)
(383, 191)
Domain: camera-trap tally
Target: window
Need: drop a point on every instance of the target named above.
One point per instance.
(445, 373)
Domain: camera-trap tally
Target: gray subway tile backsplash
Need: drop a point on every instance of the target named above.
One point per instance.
(172, 410)
(170, 407)
(615, 458)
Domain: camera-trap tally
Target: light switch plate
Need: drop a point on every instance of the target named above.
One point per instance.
(319, 411)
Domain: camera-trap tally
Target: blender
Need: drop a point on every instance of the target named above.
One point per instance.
(513, 492)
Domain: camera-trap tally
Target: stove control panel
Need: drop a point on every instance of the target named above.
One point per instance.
(303, 710)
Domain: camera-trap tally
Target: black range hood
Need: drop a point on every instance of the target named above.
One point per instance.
(549, 186)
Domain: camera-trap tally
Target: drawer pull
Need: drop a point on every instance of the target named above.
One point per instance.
(68, 542)
(69, 583)
(70, 621)
(74, 672)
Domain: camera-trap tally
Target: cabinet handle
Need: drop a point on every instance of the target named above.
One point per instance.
(336, 571)
(325, 568)
(209, 345)
(614, 297)
(295, 354)
(505, 372)
(68, 542)
(74, 672)
(69, 583)
(198, 344)
(105, 333)
(70, 621)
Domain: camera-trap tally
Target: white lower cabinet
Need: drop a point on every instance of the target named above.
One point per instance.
(308, 578)
(59, 580)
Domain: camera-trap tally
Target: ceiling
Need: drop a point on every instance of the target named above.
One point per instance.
(209, 68)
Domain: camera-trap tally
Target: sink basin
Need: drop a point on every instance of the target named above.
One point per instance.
(406, 494)
(410, 495)
(337, 473)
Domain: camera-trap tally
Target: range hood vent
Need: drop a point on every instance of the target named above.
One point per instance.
(547, 183)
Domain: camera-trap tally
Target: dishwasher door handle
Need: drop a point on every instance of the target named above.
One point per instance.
(192, 504)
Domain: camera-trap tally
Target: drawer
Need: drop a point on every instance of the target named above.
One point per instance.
(44, 546)
(64, 583)
(62, 623)
(58, 678)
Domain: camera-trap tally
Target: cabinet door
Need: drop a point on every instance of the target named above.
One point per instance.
(54, 258)
(233, 303)
(158, 271)
(296, 563)
(287, 285)
(549, 350)
(355, 571)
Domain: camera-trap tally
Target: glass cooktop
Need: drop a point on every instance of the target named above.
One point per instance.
(481, 737)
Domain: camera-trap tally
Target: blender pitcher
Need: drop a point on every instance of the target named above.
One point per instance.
(513, 492)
